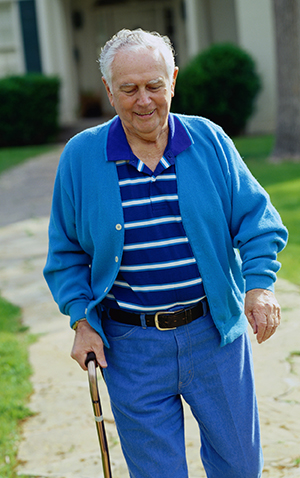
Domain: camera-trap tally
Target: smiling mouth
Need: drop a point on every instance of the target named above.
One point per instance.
(142, 115)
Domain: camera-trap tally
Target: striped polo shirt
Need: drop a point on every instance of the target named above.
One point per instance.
(158, 270)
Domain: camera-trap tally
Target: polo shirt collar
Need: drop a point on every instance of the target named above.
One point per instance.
(118, 149)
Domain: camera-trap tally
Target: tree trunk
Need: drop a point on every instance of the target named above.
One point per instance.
(287, 31)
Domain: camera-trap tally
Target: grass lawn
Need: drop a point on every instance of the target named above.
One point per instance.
(282, 181)
(15, 386)
(10, 157)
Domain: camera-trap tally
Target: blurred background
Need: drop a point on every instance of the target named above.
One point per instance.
(63, 38)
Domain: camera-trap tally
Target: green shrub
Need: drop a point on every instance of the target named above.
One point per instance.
(221, 84)
(28, 109)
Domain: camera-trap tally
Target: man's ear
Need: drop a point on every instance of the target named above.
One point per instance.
(174, 81)
(109, 93)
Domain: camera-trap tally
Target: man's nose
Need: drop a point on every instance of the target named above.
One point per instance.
(144, 97)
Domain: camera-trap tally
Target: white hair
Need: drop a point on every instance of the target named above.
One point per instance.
(133, 40)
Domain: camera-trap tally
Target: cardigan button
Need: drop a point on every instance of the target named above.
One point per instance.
(118, 227)
(116, 259)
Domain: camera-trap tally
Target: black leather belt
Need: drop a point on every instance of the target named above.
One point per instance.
(162, 320)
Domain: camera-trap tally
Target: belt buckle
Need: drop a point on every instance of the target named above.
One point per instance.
(156, 320)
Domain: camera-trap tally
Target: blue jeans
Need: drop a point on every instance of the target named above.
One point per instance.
(148, 373)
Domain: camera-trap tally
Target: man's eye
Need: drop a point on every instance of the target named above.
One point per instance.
(127, 91)
(130, 91)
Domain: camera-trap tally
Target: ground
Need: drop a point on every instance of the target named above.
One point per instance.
(60, 440)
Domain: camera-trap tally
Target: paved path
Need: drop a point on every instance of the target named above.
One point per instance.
(25, 191)
(60, 440)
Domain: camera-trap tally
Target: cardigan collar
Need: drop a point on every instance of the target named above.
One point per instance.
(118, 149)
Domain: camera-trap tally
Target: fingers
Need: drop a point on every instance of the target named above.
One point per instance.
(267, 324)
(87, 340)
(263, 313)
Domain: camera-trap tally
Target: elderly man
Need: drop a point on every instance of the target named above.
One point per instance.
(161, 243)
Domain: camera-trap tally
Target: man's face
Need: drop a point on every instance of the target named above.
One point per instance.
(141, 92)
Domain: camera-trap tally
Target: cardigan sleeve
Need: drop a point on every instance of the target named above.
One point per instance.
(256, 227)
(67, 270)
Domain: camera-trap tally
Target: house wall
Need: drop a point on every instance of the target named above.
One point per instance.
(11, 51)
(57, 52)
(256, 34)
(195, 28)
(84, 37)
(207, 22)
(222, 20)
(70, 50)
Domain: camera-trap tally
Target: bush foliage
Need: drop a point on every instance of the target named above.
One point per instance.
(28, 109)
(221, 84)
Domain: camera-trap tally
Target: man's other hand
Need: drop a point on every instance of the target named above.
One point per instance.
(263, 313)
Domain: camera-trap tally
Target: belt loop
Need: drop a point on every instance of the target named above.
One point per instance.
(143, 320)
(205, 306)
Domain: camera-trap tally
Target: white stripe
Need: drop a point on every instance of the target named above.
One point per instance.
(140, 165)
(137, 202)
(153, 222)
(164, 307)
(149, 245)
(166, 177)
(128, 182)
(158, 265)
(165, 162)
(148, 179)
(172, 197)
(152, 288)
(141, 202)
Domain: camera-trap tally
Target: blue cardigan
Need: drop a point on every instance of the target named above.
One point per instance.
(234, 231)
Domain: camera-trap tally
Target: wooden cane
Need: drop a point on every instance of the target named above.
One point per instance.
(91, 364)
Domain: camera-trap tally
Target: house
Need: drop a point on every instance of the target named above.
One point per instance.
(64, 38)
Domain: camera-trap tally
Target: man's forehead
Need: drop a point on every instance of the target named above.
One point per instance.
(144, 61)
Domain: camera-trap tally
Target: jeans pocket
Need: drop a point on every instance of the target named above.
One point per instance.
(116, 331)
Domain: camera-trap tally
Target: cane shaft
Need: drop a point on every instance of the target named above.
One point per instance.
(92, 373)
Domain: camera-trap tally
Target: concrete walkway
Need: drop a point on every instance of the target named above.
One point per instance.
(60, 440)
